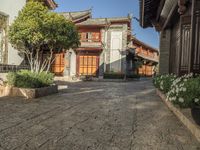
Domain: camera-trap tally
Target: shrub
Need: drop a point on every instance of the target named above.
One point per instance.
(164, 82)
(132, 76)
(185, 91)
(28, 79)
(113, 75)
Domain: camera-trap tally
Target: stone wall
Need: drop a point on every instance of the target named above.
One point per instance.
(2, 77)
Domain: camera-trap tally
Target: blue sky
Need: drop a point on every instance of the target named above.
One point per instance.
(113, 8)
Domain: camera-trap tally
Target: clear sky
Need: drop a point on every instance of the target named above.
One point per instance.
(113, 8)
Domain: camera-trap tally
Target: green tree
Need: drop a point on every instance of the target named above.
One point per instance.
(35, 28)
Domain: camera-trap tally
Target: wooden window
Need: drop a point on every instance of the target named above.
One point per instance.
(90, 37)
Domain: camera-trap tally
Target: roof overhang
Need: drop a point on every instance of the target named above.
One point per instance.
(147, 58)
(140, 43)
(158, 13)
(148, 11)
(51, 4)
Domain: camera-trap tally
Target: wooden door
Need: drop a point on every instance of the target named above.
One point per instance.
(59, 63)
(88, 65)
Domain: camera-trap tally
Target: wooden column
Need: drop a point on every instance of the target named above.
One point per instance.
(195, 38)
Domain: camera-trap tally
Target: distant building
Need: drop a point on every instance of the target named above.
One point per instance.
(8, 12)
(142, 59)
(104, 43)
(178, 22)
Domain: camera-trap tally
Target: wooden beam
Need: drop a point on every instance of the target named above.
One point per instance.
(160, 9)
(192, 42)
(169, 16)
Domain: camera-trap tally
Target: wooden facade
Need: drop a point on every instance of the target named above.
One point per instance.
(179, 24)
(88, 53)
(147, 55)
(96, 40)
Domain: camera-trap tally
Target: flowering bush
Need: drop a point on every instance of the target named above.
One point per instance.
(185, 91)
(164, 82)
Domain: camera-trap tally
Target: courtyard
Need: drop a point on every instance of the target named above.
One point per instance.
(93, 116)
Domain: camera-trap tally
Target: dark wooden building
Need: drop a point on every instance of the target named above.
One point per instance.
(178, 22)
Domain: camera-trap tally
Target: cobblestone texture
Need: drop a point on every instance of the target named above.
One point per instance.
(93, 116)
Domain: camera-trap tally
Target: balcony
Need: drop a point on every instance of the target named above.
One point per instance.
(147, 55)
(91, 44)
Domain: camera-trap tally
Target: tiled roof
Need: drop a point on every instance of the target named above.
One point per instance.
(76, 15)
(136, 41)
(103, 21)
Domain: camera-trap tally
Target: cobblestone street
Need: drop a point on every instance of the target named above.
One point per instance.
(93, 116)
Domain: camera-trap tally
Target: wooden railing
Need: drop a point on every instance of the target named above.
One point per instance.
(147, 54)
(4, 68)
(91, 44)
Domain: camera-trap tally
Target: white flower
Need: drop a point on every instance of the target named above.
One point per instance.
(181, 100)
(173, 98)
(196, 100)
(184, 89)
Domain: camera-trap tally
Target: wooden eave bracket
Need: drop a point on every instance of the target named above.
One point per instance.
(182, 8)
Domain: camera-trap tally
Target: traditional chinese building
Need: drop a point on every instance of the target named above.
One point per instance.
(104, 42)
(142, 58)
(178, 22)
(8, 11)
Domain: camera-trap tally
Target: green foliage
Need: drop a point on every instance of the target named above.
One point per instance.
(164, 82)
(60, 33)
(113, 75)
(27, 30)
(132, 76)
(28, 79)
(138, 64)
(37, 27)
(185, 91)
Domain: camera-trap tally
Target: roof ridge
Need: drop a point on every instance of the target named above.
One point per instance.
(156, 49)
(88, 10)
(110, 17)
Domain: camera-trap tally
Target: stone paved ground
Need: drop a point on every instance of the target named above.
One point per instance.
(93, 116)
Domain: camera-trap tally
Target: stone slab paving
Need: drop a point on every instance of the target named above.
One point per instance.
(93, 116)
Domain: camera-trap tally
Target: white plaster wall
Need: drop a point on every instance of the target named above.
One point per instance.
(11, 8)
(73, 63)
(115, 53)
